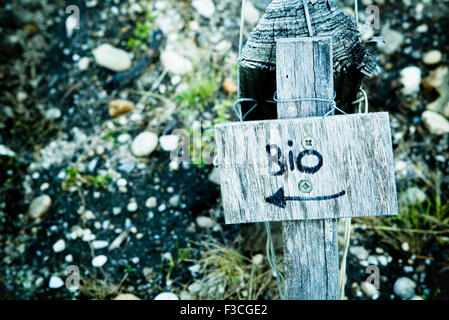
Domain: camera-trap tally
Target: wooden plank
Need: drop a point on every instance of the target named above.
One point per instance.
(310, 76)
(356, 155)
(311, 260)
(310, 247)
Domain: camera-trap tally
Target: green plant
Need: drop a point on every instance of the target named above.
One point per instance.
(130, 269)
(75, 179)
(141, 33)
(223, 111)
(226, 274)
(199, 93)
(417, 224)
(168, 265)
(99, 181)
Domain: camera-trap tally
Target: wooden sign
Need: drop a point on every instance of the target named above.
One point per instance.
(307, 168)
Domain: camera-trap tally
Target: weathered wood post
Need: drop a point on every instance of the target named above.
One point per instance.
(304, 69)
(306, 169)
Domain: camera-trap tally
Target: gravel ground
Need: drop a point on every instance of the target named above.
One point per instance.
(78, 186)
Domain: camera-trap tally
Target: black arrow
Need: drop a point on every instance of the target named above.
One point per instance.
(279, 199)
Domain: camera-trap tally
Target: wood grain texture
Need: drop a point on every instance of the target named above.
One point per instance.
(356, 155)
(310, 247)
(304, 71)
(311, 260)
(286, 19)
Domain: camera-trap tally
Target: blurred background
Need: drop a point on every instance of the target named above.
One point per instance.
(86, 115)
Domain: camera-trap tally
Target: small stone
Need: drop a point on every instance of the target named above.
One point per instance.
(195, 268)
(176, 63)
(383, 261)
(39, 206)
(68, 258)
(257, 259)
(393, 41)
(166, 296)
(132, 207)
(118, 107)
(112, 58)
(251, 14)
(194, 287)
(22, 96)
(359, 252)
(99, 261)
(144, 144)
(405, 246)
(438, 80)
(206, 8)
(410, 79)
(432, 57)
(126, 296)
(151, 202)
(229, 85)
(435, 123)
(5, 151)
(100, 244)
(173, 165)
(417, 298)
(205, 222)
(423, 28)
(122, 182)
(59, 246)
(369, 290)
(413, 196)
(214, 176)
(404, 288)
(169, 142)
(83, 63)
(174, 200)
(52, 114)
(55, 282)
(71, 24)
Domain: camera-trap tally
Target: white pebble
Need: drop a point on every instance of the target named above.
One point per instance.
(166, 296)
(432, 57)
(135, 260)
(176, 63)
(55, 282)
(59, 246)
(257, 259)
(144, 144)
(151, 202)
(100, 244)
(435, 123)
(99, 261)
(112, 58)
(404, 288)
(405, 246)
(410, 79)
(206, 8)
(169, 142)
(132, 207)
(359, 252)
(83, 63)
(174, 201)
(122, 182)
(369, 290)
(205, 222)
